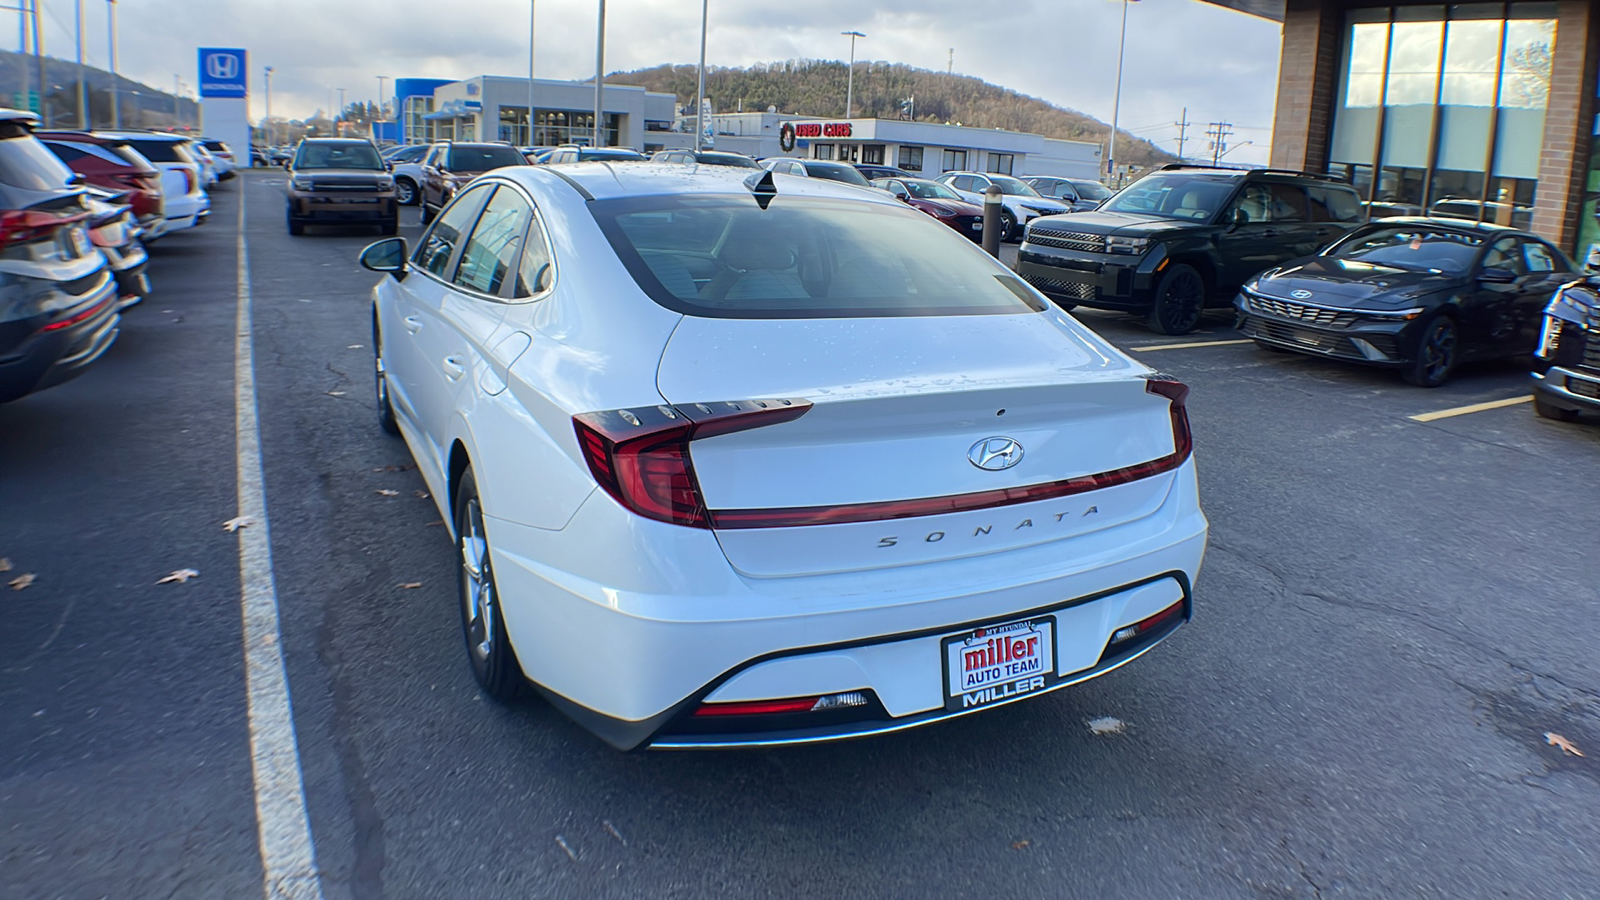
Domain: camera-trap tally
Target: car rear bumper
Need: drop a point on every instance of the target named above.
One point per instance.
(48, 358)
(128, 264)
(630, 648)
(1572, 389)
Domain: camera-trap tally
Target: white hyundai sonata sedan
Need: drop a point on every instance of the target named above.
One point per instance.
(770, 460)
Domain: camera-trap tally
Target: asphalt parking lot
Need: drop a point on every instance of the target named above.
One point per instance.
(1399, 603)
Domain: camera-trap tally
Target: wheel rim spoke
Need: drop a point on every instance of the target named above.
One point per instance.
(478, 583)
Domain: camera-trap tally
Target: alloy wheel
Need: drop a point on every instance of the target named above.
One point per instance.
(1180, 301)
(479, 604)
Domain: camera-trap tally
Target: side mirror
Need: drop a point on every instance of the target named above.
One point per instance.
(288, 164)
(387, 256)
(388, 165)
(903, 197)
(1240, 217)
(1497, 275)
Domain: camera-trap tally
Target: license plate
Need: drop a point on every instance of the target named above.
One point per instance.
(996, 663)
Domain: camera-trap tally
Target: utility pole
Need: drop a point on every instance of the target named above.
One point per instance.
(1183, 132)
(83, 89)
(950, 64)
(38, 62)
(533, 6)
(700, 92)
(341, 111)
(266, 124)
(1116, 102)
(599, 77)
(177, 92)
(850, 80)
(1219, 132)
(116, 84)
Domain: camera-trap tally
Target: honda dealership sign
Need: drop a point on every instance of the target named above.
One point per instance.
(223, 73)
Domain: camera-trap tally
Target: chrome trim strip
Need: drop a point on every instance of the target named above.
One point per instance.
(672, 744)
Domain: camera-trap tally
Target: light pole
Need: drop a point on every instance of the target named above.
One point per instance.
(599, 72)
(111, 33)
(533, 7)
(83, 89)
(1116, 103)
(266, 124)
(340, 120)
(850, 80)
(700, 92)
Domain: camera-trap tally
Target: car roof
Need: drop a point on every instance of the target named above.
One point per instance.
(602, 180)
(334, 140)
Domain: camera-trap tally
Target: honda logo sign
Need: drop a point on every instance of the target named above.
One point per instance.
(223, 72)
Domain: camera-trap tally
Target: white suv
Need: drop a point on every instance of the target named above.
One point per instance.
(183, 188)
(1019, 204)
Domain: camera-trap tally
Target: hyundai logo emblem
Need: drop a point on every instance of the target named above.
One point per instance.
(995, 453)
(1300, 295)
(222, 66)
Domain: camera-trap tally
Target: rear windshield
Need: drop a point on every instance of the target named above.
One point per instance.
(134, 157)
(337, 156)
(25, 162)
(160, 151)
(1412, 248)
(804, 257)
(484, 158)
(591, 154)
(837, 172)
(728, 159)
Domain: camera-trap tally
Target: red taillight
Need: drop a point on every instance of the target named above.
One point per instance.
(21, 226)
(73, 319)
(1145, 626)
(1178, 394)
(641, 456)
(188, 181)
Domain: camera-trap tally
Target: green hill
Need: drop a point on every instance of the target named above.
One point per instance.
(817, 88)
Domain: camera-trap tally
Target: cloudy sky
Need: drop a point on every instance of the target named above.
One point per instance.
(1221, 64)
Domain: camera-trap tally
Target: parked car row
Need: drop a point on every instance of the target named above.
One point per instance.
(76, 209)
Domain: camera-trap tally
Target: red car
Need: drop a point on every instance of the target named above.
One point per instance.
(938, 201)
(110, 164)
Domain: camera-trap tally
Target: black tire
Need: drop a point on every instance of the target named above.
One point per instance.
(1437, 354)
(296, 227)
(405, 191)
(494, 662)
(427, 211)
(1549, 410)
(1180, 298)
(380, 385)
(1008, 226)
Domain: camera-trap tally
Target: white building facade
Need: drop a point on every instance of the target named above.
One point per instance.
(921, 148)
(495, 108)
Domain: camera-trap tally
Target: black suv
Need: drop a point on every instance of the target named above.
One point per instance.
(337, 181)
(1183, 238)
(1566, 376)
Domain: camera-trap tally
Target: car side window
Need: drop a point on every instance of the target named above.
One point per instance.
(895, 187)
(1064, 190)
(1505, 254)
(438, 246)
(66, 152)
(962, 182)
(1333, 204)
(490, 254)
(537, 269)
(1288, 202)
(1537, 257)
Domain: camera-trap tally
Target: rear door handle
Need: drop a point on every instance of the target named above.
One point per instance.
(413, 324)
(453, 369)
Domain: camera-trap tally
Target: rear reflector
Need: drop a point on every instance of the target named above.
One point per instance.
(1145, 626)
(792, 705)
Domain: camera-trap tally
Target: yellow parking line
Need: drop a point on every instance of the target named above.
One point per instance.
(1184, 346)
(1476, 407)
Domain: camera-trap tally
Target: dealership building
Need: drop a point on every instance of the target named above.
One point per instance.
(494, 108)
(1487, 108)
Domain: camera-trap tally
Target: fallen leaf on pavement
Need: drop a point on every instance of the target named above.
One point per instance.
(421, 495)
(25, 579)
(410, 585)
(238, 522)
(1556, 740)
(1020, 845)
(388, 493)
(355, 346)
(435, 522)
(335, 393)
(5, 564)
(1107, 725)
(400, 468)
(179, 576)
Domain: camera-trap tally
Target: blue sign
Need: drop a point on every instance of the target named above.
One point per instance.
(223, 73)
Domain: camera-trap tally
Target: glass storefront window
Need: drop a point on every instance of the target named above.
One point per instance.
(1450, 103)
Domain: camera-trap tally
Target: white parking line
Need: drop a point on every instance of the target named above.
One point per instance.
(1188, 345)
(283, 828)
(1476, 407)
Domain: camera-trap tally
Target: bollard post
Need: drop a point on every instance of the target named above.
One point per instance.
(991, 221)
